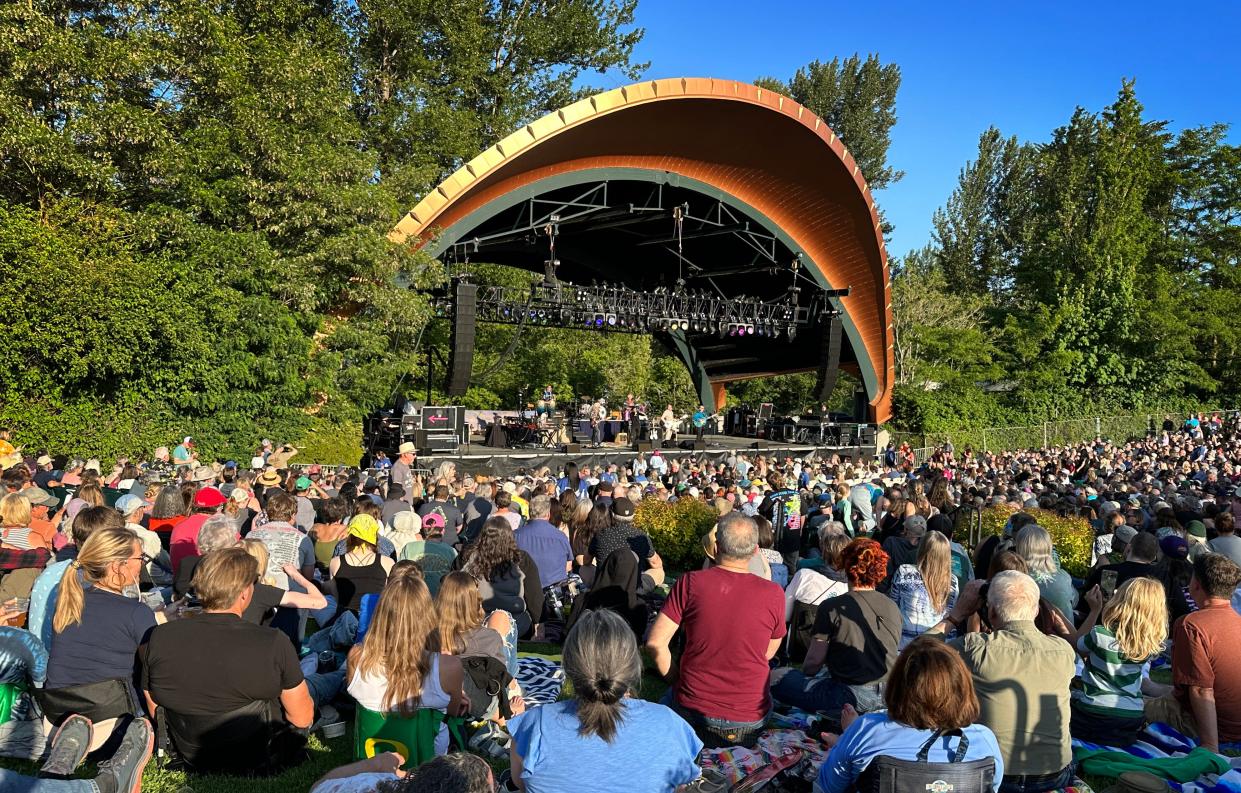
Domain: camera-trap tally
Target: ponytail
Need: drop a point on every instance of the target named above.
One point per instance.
(601, 659)
(100, 550)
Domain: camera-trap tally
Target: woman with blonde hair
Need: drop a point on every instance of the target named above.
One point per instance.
(926, 591)
(465, 630)
(396, 668)
(1055, 584)
(15, 515)
(1117, 652)
(97, 629)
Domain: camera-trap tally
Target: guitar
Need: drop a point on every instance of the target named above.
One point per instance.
(702, 422)
(673, 426)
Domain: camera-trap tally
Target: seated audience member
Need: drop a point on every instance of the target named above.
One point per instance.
(184, 538)
(902, 548)
(626, 742)
(1226, 540)
(506, 575)
(459, 772)
(286, 544)
(41, 516)
(120, 773)
(396, 668)
(405, 527)
(218, 531)
(766, 549)
(928, 692)
(1108, 706)
(1205, 701)
(924, 592)
(440, 504)
(1055, 585)
(16, 514)
(98, 631)
(432, 555)
(1140, 556)
(330, 530)
(547, 545)
(158, 570)
(856, 636)
(267, 597)
(169, 509)
(46, 590)
(992, 545)
(1049, 620)
(467, 629)
(233, 693)
(1022, 680)
(734, 624)
(621, 533)
(813, 584)
(507, 509)
(361, 570)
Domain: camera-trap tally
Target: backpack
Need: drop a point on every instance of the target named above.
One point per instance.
(486, 678)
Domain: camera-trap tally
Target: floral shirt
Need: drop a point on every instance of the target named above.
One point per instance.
(918, 614)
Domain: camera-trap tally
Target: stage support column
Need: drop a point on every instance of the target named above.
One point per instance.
(719, 393)
(697, 371)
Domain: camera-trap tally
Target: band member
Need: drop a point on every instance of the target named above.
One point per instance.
(700, 422)
(547, 401)
(597, 414)
(668, 420)
(631, 416)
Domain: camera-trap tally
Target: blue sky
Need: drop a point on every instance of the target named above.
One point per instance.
(1021, 66)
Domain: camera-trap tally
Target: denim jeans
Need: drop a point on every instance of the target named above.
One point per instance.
(13, 782)
(825, 695)
(1039, 783)
(715, 732)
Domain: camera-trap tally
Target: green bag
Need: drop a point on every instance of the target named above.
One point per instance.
(413, 737)
(9, 694)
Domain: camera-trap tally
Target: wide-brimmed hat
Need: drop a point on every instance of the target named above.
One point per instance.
(407, 448)
(203, 473)
(269, 478)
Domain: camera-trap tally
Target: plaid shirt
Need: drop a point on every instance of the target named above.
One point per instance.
(13, 559)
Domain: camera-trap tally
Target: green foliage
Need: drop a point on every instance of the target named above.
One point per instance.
(1072, 537)
(857, 99)
(195, 201)
(676, 528)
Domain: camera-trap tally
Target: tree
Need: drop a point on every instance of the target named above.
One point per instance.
(857, 99)
(979, 232)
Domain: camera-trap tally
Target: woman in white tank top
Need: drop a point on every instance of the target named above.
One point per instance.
(386, 675)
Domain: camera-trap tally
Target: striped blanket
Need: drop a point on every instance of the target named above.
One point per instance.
(540, 680)
(1159, 741)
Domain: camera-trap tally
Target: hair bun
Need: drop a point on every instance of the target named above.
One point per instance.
(608, 691)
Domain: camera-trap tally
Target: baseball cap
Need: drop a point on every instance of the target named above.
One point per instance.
(129, 503)
(622, 508)
(302, 483)
(432, 520)
(365, 528)
(314, 470)
(1196, 528)
(209, 497)
(43, 460)
(1125, 533)
(915, 526)
(40, 497)
(1174, 546)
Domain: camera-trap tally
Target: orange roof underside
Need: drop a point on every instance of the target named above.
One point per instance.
(759, 147)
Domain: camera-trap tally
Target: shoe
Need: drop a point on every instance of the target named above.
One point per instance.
(327, 715)
(68, 747)
(123, 772)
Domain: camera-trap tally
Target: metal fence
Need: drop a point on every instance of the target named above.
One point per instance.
(1046, 434)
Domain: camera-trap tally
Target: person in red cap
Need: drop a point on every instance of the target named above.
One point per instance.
(184, 541)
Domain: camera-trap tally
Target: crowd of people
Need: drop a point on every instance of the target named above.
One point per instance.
(239, 607)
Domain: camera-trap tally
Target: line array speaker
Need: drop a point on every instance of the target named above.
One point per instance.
(464, 325)
(829, 368)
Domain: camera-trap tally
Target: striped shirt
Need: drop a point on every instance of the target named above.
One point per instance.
(1111, 682)
(18, 537)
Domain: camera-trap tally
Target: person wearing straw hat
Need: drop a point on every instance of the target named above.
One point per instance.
(269, 478)
(402, 474)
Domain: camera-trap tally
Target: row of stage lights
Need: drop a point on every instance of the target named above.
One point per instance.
(612, 321)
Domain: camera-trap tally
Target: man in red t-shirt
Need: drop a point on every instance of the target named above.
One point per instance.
(734, 622)
(1205, 702)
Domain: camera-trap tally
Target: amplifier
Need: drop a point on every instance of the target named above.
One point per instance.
(433, 442)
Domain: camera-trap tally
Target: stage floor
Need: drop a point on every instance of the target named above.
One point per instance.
(480, 459)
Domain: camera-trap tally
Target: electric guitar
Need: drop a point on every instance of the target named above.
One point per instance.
(702, 422)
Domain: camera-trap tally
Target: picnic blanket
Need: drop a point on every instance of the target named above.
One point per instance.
(1165, 752)
(540, 680)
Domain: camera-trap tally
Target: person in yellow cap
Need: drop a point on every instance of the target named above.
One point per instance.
(362, 570)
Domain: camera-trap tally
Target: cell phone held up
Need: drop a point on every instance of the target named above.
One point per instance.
(1107, 583)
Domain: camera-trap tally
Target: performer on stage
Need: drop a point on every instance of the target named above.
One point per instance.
(668, 420)
(700, 422)
(597, 414)
(631, 416)
(547, 402)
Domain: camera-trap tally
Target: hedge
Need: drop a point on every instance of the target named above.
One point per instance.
(1072, 537)
(677, 529)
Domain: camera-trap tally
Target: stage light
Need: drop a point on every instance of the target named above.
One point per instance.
(611, 319)
(684, 325)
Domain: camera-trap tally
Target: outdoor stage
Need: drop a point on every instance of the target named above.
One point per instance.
(477, 458)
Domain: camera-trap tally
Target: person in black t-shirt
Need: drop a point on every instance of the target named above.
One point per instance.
(233, 693)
